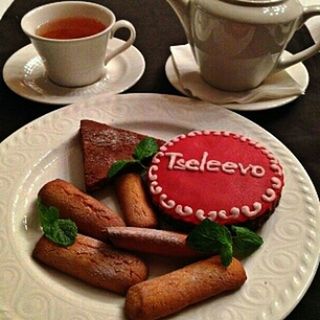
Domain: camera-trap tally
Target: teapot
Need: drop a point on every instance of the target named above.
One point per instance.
(238, 43)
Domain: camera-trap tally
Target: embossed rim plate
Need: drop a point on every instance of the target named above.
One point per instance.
(24, 74)
(279, 273)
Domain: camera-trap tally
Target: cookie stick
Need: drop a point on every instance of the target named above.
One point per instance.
(89, 214)
(161, 242)
(134, 204)
(94, 262)
(170, 293)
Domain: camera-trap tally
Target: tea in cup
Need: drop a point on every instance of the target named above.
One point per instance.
(72, 37)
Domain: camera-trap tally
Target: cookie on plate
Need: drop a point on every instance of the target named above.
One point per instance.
(223, 176)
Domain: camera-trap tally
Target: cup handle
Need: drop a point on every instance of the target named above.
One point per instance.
(285, 62)
(118, 25)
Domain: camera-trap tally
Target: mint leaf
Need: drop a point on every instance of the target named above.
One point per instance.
(146, 148)
(226, 252)
(61, 231)
(210, 237)
(47, 215)
(226, 249)
(119, 166)
(245, 241)
(203, 237)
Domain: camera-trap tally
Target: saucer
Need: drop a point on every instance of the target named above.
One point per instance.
(298, 72)
(24, 74)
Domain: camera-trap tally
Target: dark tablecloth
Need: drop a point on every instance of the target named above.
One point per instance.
(295, 124)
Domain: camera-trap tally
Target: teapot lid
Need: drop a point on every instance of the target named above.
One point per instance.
(253, 11)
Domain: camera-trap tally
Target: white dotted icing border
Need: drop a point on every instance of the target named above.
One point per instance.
(247, 210)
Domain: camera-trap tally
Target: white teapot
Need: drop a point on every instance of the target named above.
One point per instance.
(238, 43)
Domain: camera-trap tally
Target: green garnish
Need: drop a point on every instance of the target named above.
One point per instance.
(61, 231)
(245, 241)
(212, 238)
(144, 150)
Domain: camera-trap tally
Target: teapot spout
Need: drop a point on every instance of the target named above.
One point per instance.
(181, 8)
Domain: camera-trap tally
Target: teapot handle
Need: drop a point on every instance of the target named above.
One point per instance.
(285, 61)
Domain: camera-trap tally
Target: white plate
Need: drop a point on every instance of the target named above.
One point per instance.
(298, 72)
(25, 75)
(279, 273)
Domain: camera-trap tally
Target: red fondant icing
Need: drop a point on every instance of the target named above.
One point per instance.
(215, 172)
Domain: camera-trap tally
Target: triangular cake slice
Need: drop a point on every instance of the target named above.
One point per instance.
(102, 145)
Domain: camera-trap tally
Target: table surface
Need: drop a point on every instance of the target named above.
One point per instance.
(295, 124)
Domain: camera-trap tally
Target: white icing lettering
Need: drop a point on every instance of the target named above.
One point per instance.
(229, 167)
(192, 165)
(244, 170)
(203, 161)
(177, 162)
(258, 171)
(173, 156)
(213, 165)
(180, 165)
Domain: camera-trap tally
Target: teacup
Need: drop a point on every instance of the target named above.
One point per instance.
(78, 59)
(239, 43)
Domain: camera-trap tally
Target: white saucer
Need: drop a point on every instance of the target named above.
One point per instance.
(24, 74)
(298, 72)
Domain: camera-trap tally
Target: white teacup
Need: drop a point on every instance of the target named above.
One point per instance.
(80, 61)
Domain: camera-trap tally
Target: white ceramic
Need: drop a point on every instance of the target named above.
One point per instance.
(24, 74)
(279, 273)
(75, 62)
(298, 72)
(238, 43)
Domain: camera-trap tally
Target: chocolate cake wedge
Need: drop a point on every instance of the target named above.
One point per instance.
(102, 145)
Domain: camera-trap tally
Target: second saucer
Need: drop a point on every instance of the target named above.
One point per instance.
(24, 74)
(277, 90)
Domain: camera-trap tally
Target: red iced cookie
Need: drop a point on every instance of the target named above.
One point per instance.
(222, 176)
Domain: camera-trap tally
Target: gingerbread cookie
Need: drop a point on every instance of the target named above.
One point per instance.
(222, 176)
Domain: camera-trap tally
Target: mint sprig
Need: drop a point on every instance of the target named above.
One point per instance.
(245, 241)
(144, 150)
(61, 231)
(212, 238)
